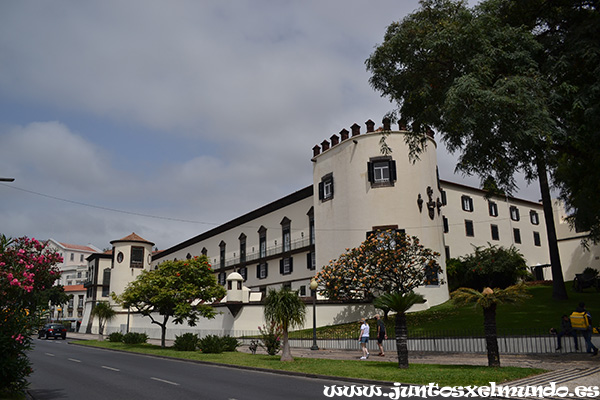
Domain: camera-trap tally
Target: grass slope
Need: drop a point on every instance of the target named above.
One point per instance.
(539, 313)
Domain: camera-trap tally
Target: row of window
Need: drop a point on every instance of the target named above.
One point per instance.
(72, 258)
(286, 267)
(467, 205)
(470, 232)
(286, 242)
(381, 171)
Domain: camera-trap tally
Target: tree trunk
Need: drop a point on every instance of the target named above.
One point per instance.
(491, 335)
(401, 340)
(163, 334)
(286, 354)
(559, 291)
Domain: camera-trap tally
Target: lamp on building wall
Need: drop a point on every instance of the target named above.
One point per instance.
(313, 288)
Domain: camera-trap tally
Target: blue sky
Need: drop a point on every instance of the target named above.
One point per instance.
(193, 112)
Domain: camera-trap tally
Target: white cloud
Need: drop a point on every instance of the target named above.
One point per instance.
(198, 111)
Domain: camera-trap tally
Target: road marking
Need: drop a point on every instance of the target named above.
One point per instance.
(111, 368)
(49, 354)
(73, 359)
(162, 380)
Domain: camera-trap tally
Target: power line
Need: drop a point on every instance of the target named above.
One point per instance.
(107, 208)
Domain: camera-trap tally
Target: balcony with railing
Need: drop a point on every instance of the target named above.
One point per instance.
(272, 251)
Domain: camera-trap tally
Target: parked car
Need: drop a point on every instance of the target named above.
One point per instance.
(52, 331)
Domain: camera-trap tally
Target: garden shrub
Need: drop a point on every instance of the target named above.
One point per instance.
(492, 266)
(230, 343)
(211, 344)
(186, 342)
(115, 337)
(270, 339)
(135, 338)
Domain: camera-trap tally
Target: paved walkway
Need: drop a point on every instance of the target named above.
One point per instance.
(571, 370)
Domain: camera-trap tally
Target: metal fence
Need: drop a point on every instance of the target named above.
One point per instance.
(513, 341)
(510, 341)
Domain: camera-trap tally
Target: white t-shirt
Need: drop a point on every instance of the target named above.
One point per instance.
(365, 330)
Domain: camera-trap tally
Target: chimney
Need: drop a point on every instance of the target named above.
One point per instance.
(344, 134)
(316, 150)
(402, 125)
(325, 145)
(370, 126)
(334, 140)
(387, 124)
(355, 130)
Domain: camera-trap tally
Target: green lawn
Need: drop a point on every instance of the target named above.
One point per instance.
(540, 313)
(444, 375)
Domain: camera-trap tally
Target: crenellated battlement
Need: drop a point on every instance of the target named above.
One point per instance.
(344, 134)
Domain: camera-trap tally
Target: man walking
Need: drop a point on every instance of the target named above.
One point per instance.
(381, 334)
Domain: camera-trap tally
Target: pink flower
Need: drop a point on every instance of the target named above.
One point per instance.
(14, 282)
(19, 338)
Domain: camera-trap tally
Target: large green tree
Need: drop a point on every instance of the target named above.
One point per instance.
(285, 309)
(181, 289)
(483, 80)
(569, 31)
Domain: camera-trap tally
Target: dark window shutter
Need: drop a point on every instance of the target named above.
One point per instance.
(321, 191)
(332, 186)
(281, 266)
(266, 269)
(370, 172)
(291, 264)
(308, 261)
(258, 271)
(393, 176)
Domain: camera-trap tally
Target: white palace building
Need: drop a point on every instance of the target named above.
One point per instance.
(355, 191)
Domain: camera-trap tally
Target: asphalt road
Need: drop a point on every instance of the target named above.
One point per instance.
(63, 371)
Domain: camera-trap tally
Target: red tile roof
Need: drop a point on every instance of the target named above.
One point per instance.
(74, 288)
(133, 238)
(77, 247)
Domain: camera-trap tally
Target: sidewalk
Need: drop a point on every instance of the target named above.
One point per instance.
(571, 370)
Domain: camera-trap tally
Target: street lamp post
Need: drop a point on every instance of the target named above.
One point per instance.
(313, 287)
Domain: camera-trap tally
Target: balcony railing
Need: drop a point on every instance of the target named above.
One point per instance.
(271, 251)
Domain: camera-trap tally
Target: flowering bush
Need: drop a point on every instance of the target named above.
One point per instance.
(387, 262)
(270, 339)
(27, 272)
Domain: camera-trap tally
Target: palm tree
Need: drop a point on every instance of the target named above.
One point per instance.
(286, 309)
(400, 303)
(104, 312)
(488, 299)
